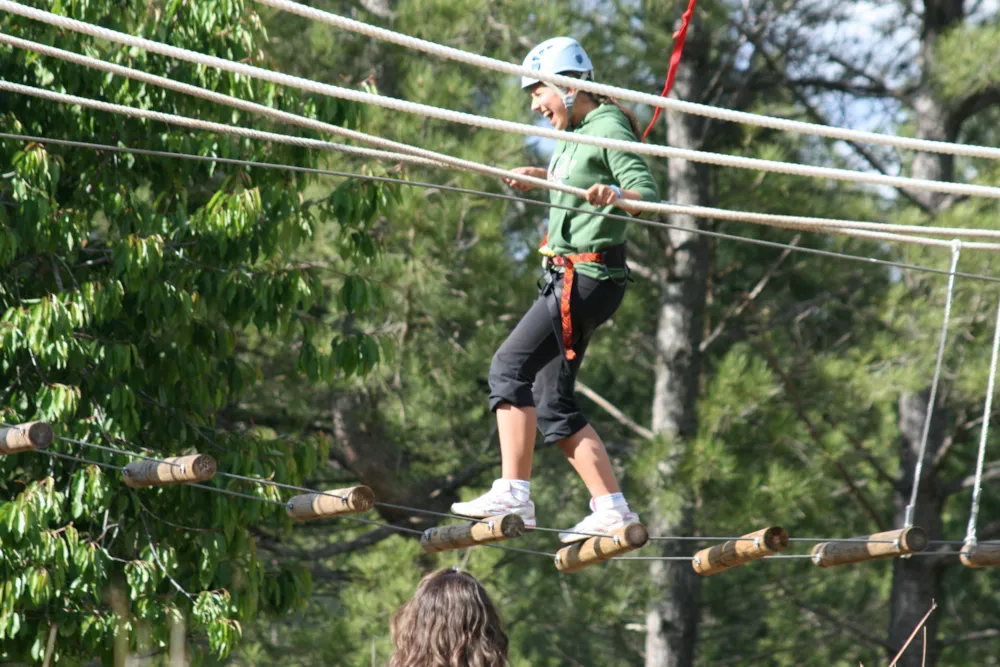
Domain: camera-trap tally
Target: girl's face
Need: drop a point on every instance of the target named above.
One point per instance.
(545, 101)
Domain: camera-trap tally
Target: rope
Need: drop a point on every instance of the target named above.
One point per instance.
(218, 98)
(685, 558)
(490, 123)
(956, 250)
(415, 531)
(255, 480)
(977, 490)
(230, 492)
(629, 95)
(493, 195)
(73, 458)
(416, 510)
(238, 494)
(844, 227)
(438, 160)
(843, 539)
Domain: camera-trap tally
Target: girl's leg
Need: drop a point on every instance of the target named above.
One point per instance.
(531, 345)
(585, 451)
(561, 420)
(516, 429)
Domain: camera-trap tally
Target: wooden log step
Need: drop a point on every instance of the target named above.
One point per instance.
(733, 553)
(595, 550)
(173, 470)
(870, 547)
(472, 533)
(980, 555)
(309, 506)
(25, 437)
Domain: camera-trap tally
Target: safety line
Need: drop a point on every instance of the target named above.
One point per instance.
(238, 494)
(846, 228)
(73, 458)
(956, 250)
(418, 510)
(420, 532)
(815, 540)
(977, 490)
(793, 222)
(715, 113)
(282, 504)
(490, 123)
(265, 482)
(255, 480)
(438, 160)
(505, 197)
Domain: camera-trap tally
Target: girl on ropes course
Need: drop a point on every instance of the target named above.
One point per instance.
(451, 621)
(533, 374)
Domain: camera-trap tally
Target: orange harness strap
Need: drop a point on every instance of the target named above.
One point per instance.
(568, 261)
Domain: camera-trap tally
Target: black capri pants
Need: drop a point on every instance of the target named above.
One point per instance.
(530, 368)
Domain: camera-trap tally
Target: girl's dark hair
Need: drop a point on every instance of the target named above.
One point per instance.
(605, 99)
(449, 622)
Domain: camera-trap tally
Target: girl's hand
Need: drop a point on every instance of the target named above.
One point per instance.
(527, 171)
(601, 195)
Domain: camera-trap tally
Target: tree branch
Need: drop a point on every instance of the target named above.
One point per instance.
(972, 105)
(818, 117)
(831, 617)
(973, 636)
(991, 471)
(800, 410)
(750, 296)
(874, 90)
(617, 414)
(990, 531)
(369, 539)
(641, 270)
(461, 479)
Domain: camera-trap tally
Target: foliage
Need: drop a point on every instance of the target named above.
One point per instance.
(128, 287)
(330, 331)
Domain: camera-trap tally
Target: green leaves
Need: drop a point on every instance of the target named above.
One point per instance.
(131, 288)
(961, 53)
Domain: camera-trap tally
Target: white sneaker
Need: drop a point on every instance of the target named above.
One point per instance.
(600, 522)
(499, 500)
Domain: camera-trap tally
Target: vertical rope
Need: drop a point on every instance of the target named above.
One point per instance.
(970, 535)
(956, 250)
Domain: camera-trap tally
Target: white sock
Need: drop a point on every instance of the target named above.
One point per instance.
(612, 501)
(519, 488)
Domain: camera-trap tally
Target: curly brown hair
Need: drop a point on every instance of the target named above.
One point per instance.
(449, 622)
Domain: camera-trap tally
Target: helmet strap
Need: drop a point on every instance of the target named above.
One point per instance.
(568, 98)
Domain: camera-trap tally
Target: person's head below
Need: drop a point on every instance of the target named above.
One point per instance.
(449, 622)
(564, 107)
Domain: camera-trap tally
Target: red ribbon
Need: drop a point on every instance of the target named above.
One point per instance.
(675, 60)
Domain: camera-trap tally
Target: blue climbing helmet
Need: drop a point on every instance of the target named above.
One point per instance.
(558, 55)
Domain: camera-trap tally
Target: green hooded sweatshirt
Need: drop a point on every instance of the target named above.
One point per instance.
(581, 166)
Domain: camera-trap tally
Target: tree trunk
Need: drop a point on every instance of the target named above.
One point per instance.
(384, 67)
(932, 117)
(672, 620)
(916, 582)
